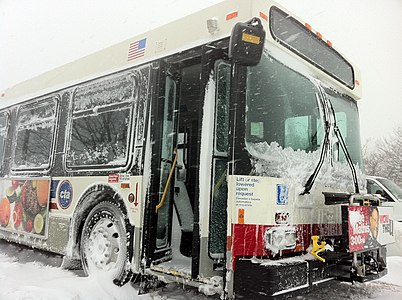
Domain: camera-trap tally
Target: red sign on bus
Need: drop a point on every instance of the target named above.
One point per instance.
(369, 227)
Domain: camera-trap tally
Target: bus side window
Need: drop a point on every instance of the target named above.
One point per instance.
(35, 134)
(102, 121)
(3, 136)
(141, 95)
(141, 98)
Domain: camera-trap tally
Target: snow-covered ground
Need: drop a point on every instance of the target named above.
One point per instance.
(27, 274)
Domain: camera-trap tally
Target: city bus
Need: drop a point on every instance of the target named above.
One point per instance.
(221, 151)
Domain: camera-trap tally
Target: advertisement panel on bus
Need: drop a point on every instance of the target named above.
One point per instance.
(369, 227)
(24, 206)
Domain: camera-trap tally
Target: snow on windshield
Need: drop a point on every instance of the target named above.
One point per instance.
(285, 121)
(296, 166)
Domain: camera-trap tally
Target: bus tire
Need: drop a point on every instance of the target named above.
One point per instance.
(104, 243)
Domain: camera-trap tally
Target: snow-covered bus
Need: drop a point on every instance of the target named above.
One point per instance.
(221, 150)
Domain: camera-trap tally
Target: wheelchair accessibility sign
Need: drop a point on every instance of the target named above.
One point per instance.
(281, 194)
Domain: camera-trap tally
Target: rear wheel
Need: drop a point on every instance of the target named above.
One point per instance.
(104, 243)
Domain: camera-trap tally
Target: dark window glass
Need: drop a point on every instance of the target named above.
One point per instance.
(142, 95)
(222, 107)
(101, 122)
(218, 217)
(35, 128)
(218, 222)
(294, 35)
(374, 188)
(100, 139)
(3, 135)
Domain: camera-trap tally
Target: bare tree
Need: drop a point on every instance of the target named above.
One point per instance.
(384, 157)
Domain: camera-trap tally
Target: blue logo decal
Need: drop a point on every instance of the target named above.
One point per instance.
(65, 194)
(281, 194)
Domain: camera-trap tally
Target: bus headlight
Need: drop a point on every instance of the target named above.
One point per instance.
(280, 238)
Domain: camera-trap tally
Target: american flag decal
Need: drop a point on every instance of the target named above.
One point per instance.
(136, 49)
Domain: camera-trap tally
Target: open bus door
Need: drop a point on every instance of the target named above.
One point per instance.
(178, 242)
(175, 160)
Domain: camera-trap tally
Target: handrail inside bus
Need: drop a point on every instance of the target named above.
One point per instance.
(160, 204)
(220, 182)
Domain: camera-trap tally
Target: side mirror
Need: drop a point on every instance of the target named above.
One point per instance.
(247, 42)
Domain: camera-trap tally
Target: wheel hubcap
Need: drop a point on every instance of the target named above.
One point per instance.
(103, 245)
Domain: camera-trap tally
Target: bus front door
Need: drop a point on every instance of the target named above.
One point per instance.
(175, 134)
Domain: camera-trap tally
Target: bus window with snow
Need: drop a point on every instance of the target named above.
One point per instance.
(35, 129)
(3, 134)
(101, 122)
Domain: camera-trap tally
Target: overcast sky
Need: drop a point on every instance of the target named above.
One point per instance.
(38, 35)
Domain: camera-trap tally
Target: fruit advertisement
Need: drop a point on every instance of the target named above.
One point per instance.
(24, 206)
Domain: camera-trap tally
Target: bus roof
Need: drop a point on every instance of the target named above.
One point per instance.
(160, 42)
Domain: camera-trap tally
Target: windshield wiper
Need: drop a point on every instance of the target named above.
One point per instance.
(324, 150)
(338, 135)
(310, 182)
(327, 105)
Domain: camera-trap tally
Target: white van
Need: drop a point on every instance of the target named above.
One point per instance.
(389, 190)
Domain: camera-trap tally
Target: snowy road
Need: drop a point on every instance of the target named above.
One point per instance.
(27, 274)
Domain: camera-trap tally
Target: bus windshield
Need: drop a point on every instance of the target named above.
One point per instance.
(283, 108)
(347, 120)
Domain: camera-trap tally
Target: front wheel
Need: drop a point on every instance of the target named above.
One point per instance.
(104, 243)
